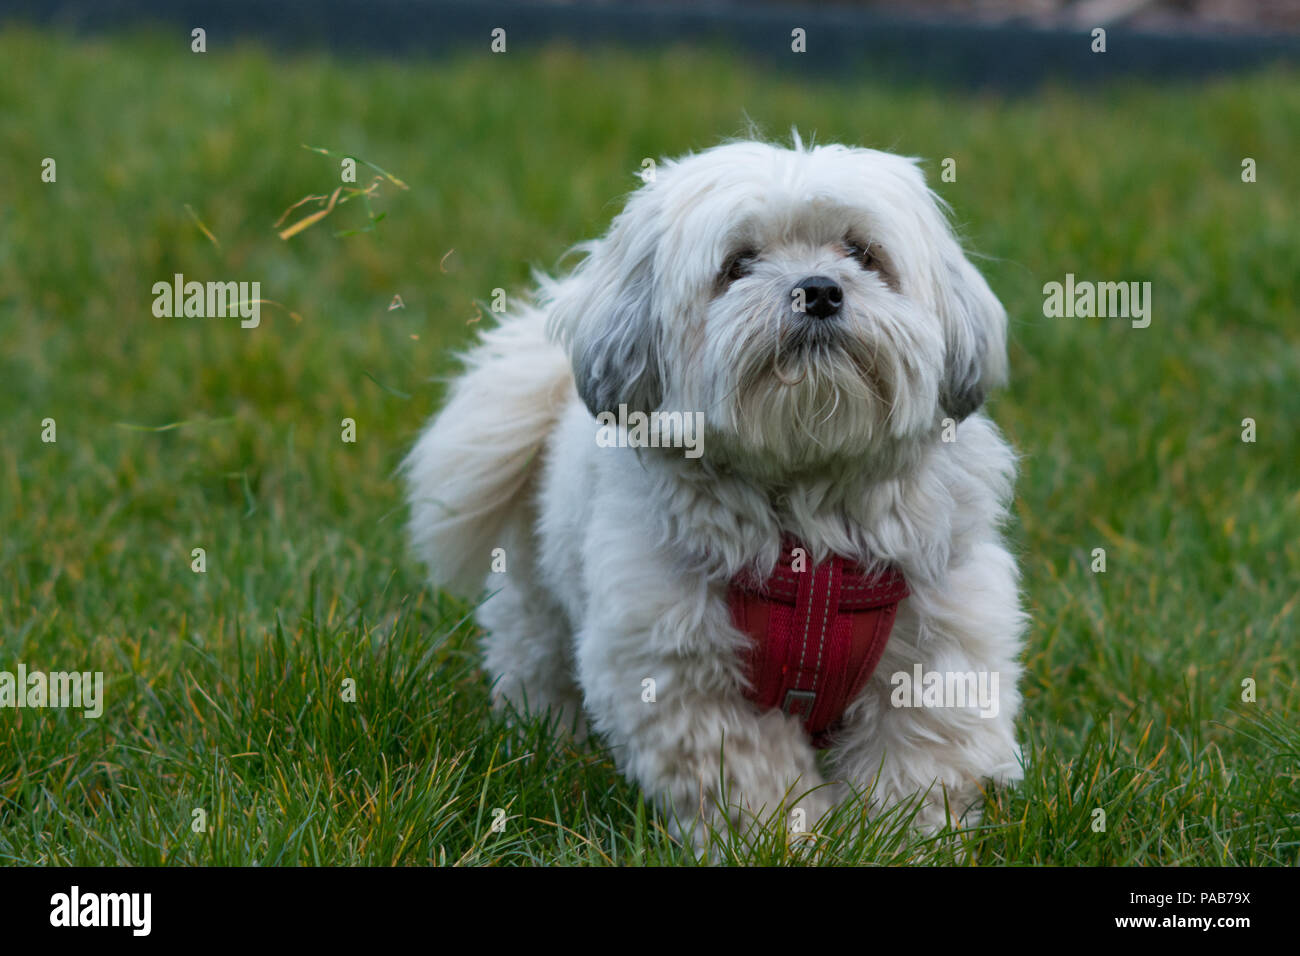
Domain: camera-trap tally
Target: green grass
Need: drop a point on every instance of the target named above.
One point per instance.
(223, 688)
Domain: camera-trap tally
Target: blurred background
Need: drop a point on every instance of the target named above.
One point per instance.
(1168, 158)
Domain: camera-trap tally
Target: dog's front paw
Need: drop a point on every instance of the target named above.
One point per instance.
(752, 824)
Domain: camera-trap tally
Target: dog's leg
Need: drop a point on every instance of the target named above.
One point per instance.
(707, 759)
(904, 742)
(660, 673)
(527, 651)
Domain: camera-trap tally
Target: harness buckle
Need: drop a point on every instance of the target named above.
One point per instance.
(798, 703)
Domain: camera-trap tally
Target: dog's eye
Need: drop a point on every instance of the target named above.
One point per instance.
(865, 253)
(738, 265)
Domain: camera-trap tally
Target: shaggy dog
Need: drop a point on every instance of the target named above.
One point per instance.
(769, 370)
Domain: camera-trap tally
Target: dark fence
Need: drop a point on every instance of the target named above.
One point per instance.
(840, 40)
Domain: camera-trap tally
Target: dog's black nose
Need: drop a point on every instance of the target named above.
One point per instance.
(821, 296)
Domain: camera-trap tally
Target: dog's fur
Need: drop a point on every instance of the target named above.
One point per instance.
(618, 559)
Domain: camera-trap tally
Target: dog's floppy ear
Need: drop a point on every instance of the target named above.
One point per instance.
(604, 314)
(975, 334)
(973, 320)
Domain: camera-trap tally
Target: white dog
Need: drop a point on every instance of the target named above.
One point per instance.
(717, 603)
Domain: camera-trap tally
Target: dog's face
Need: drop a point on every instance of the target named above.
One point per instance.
(813, 303)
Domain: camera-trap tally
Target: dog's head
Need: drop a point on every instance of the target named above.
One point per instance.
(810, 301)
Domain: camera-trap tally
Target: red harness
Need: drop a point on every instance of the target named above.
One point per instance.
(817, 635)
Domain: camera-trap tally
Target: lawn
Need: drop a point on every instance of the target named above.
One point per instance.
(225, 689)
